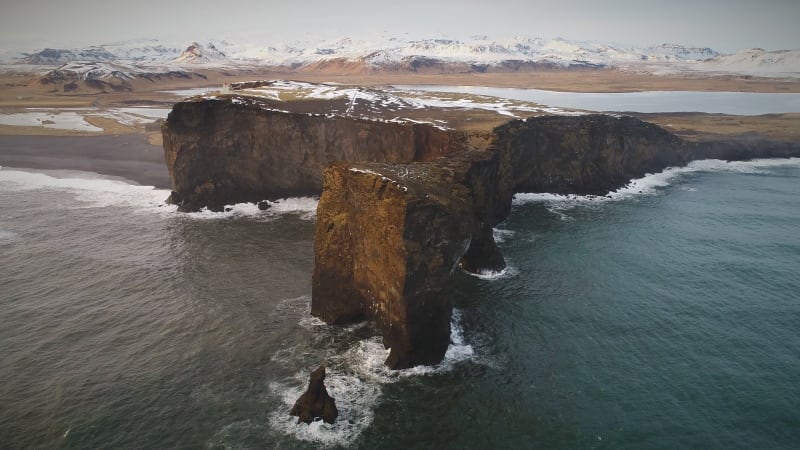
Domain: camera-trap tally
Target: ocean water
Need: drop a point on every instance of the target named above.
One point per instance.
(665, 315)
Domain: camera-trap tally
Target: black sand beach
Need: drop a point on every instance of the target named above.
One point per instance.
(127, 156)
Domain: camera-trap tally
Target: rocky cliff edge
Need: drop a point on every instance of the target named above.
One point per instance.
(403, 205)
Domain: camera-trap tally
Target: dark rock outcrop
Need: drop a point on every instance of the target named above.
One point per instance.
(315, 402)
(404, 205)
(590, 154)
(388, 240)
(237, 149)
(389, 236)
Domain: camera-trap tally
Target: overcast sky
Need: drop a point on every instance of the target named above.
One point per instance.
(722, 25)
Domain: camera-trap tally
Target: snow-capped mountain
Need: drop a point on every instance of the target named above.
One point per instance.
(104, 76)
(135, 51)
(93, 71)
(755, 61)
(478, 50)
(196, 54)
(478, 53)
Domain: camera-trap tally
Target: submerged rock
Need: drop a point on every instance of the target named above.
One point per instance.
(315, 402)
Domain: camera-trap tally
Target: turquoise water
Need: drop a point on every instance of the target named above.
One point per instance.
(665, 316)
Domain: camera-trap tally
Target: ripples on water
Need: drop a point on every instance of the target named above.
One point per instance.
(664, 315)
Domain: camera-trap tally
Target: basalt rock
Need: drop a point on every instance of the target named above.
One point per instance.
(315, 402)
(224, 150)
(388, 240)
(590, 154)
(404, 205)
(389, 236)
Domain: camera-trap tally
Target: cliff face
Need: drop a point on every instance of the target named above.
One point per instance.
(591, 154)
(387, 242)
(389, 236)
(404, 205)
(229, 149)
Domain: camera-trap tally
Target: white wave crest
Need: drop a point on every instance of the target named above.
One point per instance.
(652, 183)
(98, 191)
(93, 189)
(354, 378)
(7, 236)
(355, 400)
(507, 272)
(304, 207)
(500, 235)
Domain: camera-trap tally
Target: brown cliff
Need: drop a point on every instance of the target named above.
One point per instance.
(388, 240)
(389, 236)
(406, 204)
(230, 149)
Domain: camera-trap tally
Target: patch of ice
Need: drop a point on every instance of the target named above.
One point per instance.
(191, 92)
(66, 120)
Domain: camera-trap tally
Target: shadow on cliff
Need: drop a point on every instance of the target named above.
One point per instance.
(404, 205)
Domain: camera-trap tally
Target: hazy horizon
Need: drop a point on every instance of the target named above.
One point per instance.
(725, 26)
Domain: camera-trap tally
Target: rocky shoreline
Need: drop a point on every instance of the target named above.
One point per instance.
(403, 205)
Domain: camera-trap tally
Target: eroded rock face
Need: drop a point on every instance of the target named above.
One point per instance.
(591, 154)
(389, 236)
(315, 402)
(228, 149)
(388, 240)
(405, 205)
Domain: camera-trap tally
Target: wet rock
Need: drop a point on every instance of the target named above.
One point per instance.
(174, 198)
(264, 205)
(315, 402)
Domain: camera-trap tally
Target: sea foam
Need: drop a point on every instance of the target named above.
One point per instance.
(355, 374)
(653, 183)
(490, 275)
(97, 191)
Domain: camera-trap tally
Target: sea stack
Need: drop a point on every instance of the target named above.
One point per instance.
(315, 402)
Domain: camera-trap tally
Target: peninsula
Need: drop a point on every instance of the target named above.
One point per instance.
(411, 185)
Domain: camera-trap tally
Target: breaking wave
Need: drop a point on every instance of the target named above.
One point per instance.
(98, 191)
(651, 184)
(355, 373)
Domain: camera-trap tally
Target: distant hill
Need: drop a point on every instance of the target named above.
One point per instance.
(477, 54)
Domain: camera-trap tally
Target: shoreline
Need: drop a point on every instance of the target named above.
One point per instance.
(125, 156)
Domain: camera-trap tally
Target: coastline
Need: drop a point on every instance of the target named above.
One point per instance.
(127, 156)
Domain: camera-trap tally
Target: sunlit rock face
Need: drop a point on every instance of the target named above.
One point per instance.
(388, 240)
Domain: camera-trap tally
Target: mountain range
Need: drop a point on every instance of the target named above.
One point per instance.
(479, 53)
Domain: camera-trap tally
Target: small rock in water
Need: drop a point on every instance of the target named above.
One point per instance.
(228, 209)
(262, 205)
(174, 198)
(315, 401)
